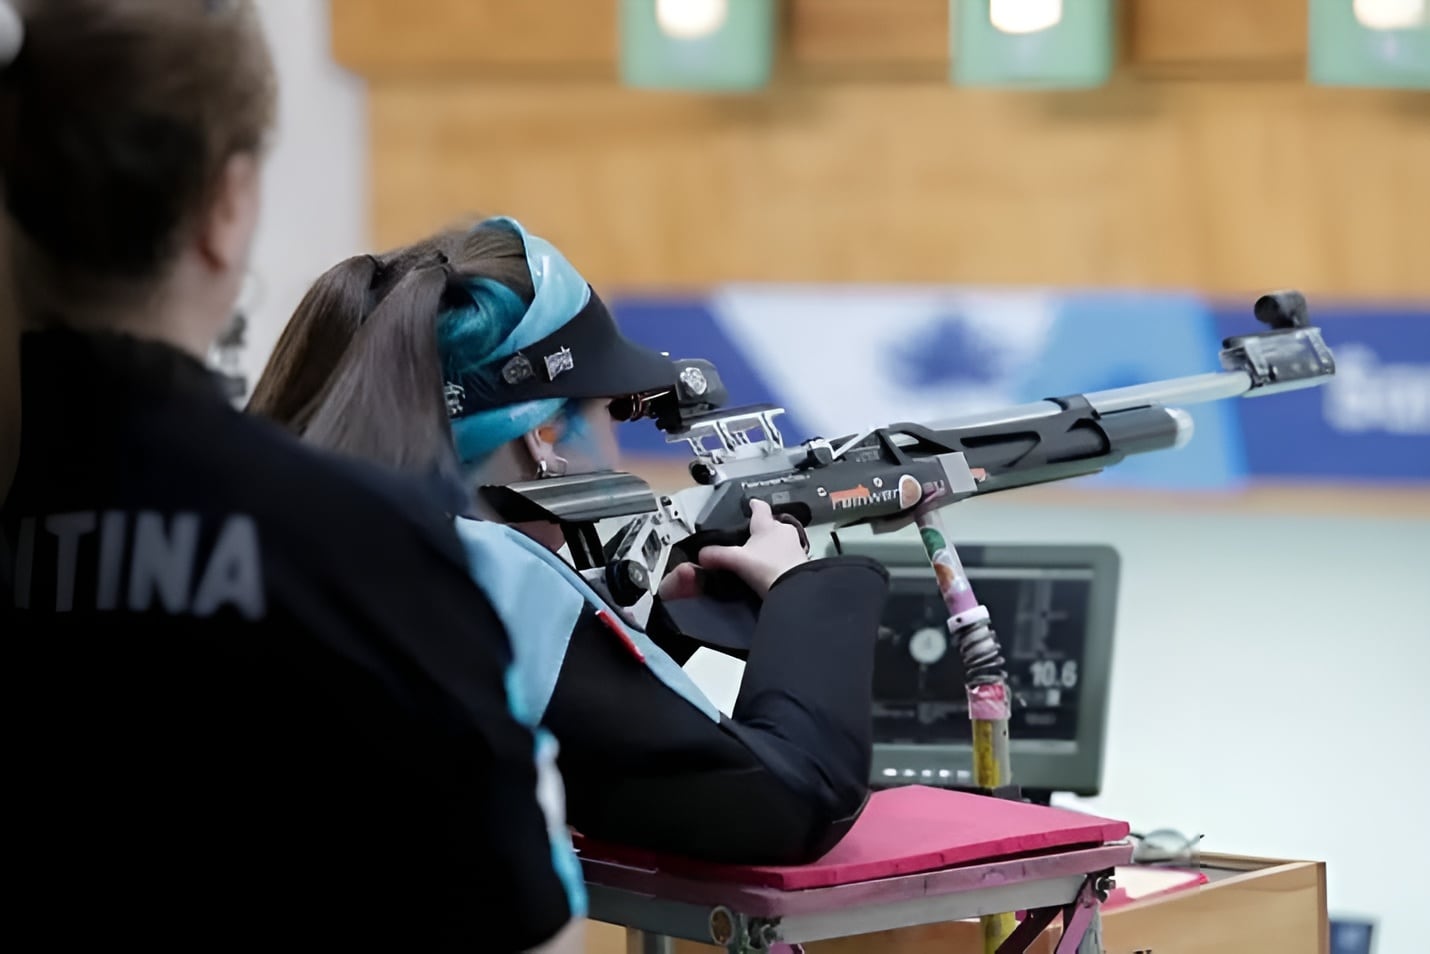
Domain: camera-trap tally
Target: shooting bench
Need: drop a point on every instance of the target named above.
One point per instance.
(918, 856)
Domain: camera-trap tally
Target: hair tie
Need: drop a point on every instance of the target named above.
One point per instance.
(442, 262)
(378, 270)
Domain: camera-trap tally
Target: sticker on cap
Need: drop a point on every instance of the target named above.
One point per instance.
(694, 381)
(455, 395)
(517, 370)
(559, 363)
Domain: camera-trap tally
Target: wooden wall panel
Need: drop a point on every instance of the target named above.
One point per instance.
(902, 37)
(558, 37)
(1216, 37)
(839, 36)
(1223, 187)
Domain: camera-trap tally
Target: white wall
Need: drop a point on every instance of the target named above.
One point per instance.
(1271, 684)
(315, 203)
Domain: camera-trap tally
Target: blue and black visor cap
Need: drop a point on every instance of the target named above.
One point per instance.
(589, 358)
(568, 347)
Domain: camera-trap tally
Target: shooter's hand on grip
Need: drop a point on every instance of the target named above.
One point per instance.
(774, 546)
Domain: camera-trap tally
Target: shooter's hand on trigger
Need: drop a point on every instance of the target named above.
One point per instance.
(774, 548)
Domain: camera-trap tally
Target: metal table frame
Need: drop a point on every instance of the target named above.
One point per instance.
(656, 908)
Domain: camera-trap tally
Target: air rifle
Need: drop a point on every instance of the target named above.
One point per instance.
(889, 476)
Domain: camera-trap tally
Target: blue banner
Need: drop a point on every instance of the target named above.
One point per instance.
(843, 358)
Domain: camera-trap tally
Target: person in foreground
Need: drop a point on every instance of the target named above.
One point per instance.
(486, 345)
(11, 36)
(255, 699)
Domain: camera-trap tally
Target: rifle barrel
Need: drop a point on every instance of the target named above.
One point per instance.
(1194, 389)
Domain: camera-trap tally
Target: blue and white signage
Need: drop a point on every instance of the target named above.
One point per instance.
(1371, 422)
(843, 358)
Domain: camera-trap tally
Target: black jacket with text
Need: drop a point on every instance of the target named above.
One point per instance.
(255, 698)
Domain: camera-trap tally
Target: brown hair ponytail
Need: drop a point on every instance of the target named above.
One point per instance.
(313, 341)
(383, 402)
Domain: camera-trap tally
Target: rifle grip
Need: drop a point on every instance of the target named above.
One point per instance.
(722, 584)
(724, 614)
(716, 584)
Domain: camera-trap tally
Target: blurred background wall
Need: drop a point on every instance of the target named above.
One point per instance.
(1271, 671)
(316, 200)
(1208, 163)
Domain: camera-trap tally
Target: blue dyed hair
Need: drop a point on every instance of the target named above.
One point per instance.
(494, 322)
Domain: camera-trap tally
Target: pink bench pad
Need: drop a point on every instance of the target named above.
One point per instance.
(902, 831)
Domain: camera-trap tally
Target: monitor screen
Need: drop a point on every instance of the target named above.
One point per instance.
(1052, 607)
(1040, 615)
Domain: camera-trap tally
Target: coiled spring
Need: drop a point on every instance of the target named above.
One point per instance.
(982, 656)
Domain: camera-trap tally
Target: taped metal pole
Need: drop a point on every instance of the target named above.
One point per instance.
(985, 681)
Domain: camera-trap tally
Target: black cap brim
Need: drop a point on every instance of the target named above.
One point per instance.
(587, 357)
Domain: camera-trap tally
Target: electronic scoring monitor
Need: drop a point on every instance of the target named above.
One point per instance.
(1052, 607)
